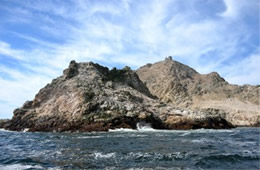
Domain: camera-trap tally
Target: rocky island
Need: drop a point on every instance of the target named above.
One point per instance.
(167, 94)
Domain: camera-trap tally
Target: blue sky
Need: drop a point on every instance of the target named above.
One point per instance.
(38, 38)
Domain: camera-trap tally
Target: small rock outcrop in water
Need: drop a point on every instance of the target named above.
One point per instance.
(90, 97)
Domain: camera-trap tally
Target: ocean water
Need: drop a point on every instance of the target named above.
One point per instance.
(145, 148)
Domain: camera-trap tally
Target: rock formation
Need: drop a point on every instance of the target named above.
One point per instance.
(3, 122)
(173, 82)
(167, 94)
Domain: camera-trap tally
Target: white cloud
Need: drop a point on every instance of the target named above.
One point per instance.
(237, 8)
(232, 8)
(14, 92)
(5, 49)
(246, 71)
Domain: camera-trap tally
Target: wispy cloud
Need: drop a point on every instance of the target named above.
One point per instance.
(247, 70)
(41, 37)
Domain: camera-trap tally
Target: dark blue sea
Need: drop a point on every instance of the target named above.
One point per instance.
(128, 149)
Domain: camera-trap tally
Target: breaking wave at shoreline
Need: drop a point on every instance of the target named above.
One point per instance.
(146, 127)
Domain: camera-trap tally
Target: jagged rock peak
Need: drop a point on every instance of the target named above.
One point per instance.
(168, 58)
(93, 71)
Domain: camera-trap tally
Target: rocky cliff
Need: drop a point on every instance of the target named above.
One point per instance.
(178, 84)
(90, 97)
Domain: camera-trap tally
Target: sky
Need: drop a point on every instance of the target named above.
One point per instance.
(38, 39)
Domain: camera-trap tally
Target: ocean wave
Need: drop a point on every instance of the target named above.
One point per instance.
(20, 166)
(100, 155)
(90, 137)
(136, 130)
(227, 157)
(133, 135)
(4, 130)
(25, 130)
(212, 130)
(141, 156)
(142, 126)
(151, 156)
(241, 143)
(122, 130)
(202, 141)
(229, 161)
(183, 132)
(225, 142)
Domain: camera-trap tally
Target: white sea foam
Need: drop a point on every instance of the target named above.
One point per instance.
(142, 126)
(89, 137)
(127, 135)
(146, 127)
(136, 135)
(20, 166)
(212, 130)
(122, 130)
(185, 134)
(26, 130)
(4, 130)
(101, 155)
(156, 156)
(202, 141)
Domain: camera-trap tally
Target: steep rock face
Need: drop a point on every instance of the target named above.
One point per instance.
(173, 82)
(90, 97)
(87, 96)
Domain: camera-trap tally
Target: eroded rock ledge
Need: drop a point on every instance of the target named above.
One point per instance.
(90, 97)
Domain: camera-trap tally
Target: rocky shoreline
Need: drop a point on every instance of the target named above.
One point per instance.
(90, 97)
(3, 122)
(176, 122)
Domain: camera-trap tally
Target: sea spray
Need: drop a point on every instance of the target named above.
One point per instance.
(143, 126)
(140, 126)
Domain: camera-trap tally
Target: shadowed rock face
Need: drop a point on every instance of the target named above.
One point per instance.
(90, 97)
(173, 82)
(87, 97)
(3, 122)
